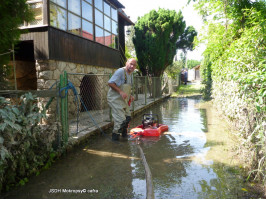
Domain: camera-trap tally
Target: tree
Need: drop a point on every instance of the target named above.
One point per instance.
(156, 34)
(226, 22)
(174, 69)
(183, 59)
(12, 14)
(185, 41)
(192, 63)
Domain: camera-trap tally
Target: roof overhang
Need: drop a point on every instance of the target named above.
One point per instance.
(124, 16)
(117, 4)
(197, 67)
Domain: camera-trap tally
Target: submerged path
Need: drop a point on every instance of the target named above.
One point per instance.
(192, 160)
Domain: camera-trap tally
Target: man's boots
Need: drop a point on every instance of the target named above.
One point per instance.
(124, 127)
(124, 133)
(115, 136)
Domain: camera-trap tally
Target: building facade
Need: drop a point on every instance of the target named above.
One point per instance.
(78, 36)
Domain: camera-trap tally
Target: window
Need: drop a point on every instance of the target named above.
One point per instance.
(74, 6)
(76, 16)
(74, 24)
(107, 9)
(99, 18)
(114, 14)
(58, 17)
(108, 39)
(60, 3)
(99, 4)
(99, 35)
(115, 41)
(110, 25)
(38, 17)
(87, 29)
(107, 23)
(37, 8)
(87, 11)
(89, 1)
(114, 27)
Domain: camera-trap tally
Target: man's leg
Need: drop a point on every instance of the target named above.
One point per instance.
(118, 115)
(126, 122)
(124, 126)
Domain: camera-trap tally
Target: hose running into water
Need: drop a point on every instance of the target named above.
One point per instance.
(149, 186)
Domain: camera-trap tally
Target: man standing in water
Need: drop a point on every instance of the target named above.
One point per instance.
(118, 97)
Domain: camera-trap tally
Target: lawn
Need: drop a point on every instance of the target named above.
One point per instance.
(192, 89)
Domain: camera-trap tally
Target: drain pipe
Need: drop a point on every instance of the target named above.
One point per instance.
(149, 186)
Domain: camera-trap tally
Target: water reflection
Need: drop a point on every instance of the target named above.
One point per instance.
(177, 158)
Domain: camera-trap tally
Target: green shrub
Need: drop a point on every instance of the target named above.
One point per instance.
(23, 147)
(234, 73)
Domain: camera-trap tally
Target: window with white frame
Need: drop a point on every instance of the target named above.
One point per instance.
(37, 8)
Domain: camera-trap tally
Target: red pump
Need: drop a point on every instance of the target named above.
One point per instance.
(149, 127)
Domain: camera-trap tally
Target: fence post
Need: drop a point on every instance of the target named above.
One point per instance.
(110, 110)
(153, 81)
(66, 106)
(145, 91)
(14, 67)
(137, 88)
(133, 92)
(64, 110)
(61, 85)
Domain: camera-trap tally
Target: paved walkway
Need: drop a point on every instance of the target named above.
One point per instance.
(91, 122)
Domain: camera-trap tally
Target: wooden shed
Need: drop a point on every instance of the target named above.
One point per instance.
(194, 73)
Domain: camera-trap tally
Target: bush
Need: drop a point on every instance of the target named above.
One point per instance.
(234, 75)
(24, 146)
(239, 79)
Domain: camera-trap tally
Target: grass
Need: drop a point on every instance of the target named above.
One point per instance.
(188, 90)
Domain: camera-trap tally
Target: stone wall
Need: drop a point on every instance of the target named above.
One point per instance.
(48, 72)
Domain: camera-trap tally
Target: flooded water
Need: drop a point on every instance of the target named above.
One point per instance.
(192, 160)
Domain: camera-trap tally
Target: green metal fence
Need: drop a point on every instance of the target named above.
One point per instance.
(81, 100)
(88, 107)
(91, 108)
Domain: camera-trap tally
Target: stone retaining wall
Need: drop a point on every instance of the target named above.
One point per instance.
(48, 72)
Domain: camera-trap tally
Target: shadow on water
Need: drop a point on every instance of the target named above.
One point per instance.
(189, 161)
